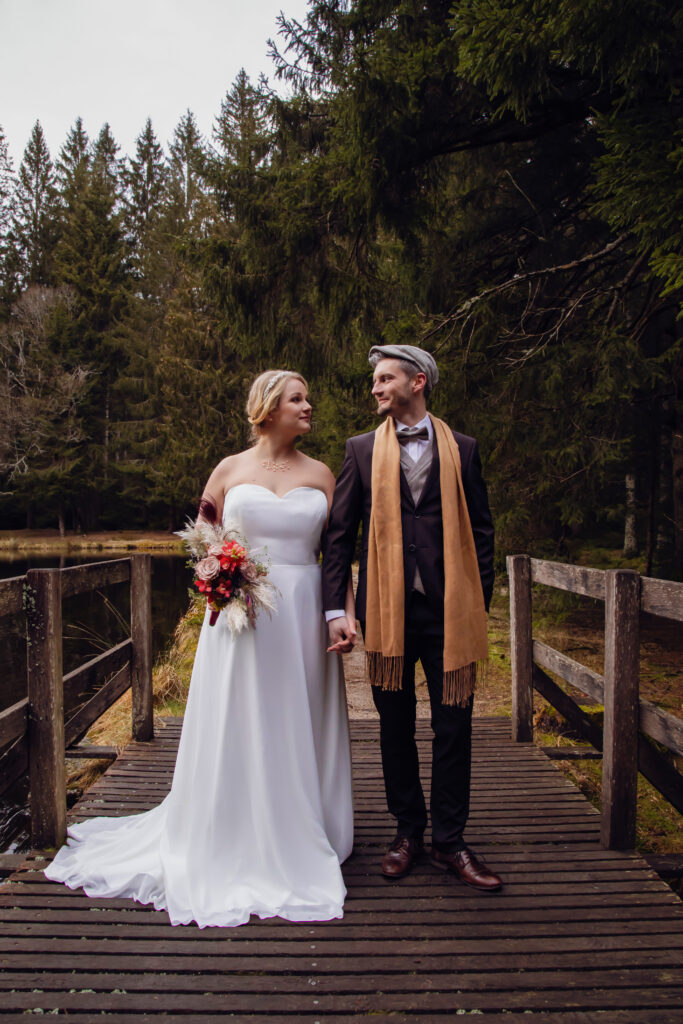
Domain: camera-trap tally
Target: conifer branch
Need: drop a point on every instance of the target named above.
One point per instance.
(465, 308)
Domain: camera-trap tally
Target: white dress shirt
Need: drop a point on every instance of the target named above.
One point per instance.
(414, 450)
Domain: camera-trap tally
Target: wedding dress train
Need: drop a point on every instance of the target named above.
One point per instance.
(259, 816)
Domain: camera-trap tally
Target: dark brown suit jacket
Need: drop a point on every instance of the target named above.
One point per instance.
(422, 525)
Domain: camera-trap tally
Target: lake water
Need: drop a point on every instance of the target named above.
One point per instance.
(91, 623)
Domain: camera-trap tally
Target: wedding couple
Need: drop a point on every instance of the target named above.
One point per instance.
(259, 817)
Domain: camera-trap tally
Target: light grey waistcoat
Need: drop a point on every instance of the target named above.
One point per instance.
(416, 474)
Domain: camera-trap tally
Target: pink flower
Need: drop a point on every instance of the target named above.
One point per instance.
(208, 568)
(249, 572)
(216, 550)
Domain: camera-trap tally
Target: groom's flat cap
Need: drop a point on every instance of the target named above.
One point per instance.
(412, 354)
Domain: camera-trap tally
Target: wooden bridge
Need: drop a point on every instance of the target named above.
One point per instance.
(578, 934)
(581, 933)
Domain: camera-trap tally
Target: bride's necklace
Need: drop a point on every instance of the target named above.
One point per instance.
(273, 466)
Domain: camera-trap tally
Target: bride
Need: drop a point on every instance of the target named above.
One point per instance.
(259, 817)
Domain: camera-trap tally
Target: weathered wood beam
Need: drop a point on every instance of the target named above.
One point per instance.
(141, 635)
(661, 597)
(661, 773)
(83, 751)
(667, 729)
(668, 865)
(576, 716)
(12, 595)
(13, 722)
(11, 862)
(582, 678)
(77, 579)
(519, 574)
(576, 578)
(571, 754)
(13, 764)
(86, 677)
(660, 725)
(78, 725)
(47, 775)
(620, 730)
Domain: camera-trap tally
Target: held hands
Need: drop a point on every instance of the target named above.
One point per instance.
(343, 635)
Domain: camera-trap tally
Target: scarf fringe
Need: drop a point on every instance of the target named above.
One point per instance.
(460, 683)
(384, 671)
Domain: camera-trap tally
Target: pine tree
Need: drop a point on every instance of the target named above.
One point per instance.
(106, 163)
(9, 264)
(187, 162)
(202, 387)
(145, 179)
(73, 164)
(243, 128)
(91, 259)
(35, 219)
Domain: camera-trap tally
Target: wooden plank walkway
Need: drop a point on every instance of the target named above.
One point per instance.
(578, 935)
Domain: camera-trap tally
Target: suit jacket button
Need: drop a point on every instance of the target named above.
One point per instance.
(411, 548)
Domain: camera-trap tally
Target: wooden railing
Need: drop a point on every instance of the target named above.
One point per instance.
(58, 710)
(629, 723)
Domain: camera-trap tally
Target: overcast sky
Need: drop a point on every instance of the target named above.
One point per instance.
(122, 61)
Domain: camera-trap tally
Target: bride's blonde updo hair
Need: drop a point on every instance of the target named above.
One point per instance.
(264, 397)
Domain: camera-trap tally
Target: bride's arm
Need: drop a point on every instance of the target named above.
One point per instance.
(213, 498)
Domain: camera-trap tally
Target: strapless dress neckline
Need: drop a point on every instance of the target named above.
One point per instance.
(280, 497)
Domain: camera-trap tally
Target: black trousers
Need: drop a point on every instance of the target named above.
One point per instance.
(451, 746)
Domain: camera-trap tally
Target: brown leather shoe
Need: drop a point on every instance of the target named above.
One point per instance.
(468, 867)
(401, 855)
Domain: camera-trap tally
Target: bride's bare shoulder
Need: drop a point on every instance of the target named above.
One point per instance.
(320, 473)
(223, 474)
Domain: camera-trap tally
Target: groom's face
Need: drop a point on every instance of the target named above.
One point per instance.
(392, 388)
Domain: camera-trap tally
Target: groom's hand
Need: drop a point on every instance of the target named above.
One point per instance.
(343, 635)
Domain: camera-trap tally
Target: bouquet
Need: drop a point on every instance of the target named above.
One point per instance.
(227, 574)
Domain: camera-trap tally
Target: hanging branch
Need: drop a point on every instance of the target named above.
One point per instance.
(466, 307)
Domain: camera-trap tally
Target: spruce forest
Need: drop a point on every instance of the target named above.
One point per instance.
(500, 181)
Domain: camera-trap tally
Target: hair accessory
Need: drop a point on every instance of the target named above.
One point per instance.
(273, 381)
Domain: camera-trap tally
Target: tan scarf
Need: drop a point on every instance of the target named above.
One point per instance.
(465, 644)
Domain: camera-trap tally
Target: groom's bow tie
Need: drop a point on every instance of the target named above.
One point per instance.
(412, 434)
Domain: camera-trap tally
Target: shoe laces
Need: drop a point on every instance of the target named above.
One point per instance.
(399, 842)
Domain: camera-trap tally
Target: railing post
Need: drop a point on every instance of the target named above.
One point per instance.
(521, 658)
(141, 635)
(620, 746)
(47, 770)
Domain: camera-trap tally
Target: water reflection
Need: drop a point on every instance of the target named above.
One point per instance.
(91, 623)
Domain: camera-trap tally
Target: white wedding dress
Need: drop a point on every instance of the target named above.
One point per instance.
(259, 816)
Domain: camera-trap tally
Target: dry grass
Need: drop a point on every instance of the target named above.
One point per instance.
(49, 542)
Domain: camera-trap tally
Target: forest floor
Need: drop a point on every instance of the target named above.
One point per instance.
(49, 542)
(572, 625)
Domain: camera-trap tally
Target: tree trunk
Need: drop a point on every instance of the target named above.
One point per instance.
(106, 434)
(653, 489)
(678, 501)
(630, 533)
(664, 542)
(60, 520)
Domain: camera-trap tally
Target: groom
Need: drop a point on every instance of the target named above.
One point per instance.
(424, 585)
